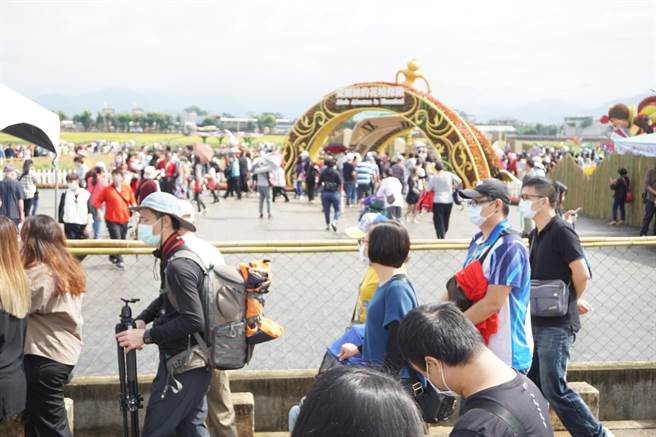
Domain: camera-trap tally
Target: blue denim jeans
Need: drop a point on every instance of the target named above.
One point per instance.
(349, 190)
(329, 198)
(618, 205)
(549, 373)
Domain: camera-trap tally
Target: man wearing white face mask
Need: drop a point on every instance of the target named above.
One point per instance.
(74, 209)
(556, 255)
(443, 345)
(504, 265)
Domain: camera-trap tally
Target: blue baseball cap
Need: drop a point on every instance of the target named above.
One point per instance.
(366, 221)
(165, 203)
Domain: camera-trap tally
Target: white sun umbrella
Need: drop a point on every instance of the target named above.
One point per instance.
(27, 120)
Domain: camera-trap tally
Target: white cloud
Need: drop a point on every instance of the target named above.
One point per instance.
(287, 54)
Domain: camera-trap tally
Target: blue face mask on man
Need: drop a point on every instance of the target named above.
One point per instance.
(145, 234)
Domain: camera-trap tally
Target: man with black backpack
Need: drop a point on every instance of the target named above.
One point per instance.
(444, 346)
(177, 403)
(221, 413)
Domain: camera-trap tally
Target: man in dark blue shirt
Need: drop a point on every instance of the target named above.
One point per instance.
(11, 196)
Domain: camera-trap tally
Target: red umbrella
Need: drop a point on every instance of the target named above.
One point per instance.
(204, 152)
(335, 148)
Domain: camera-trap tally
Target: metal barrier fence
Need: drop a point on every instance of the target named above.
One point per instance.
(315, 289)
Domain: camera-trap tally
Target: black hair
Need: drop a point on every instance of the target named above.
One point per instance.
(175, 223)
(389, 244)
(544, 187)
(388, 172)
(27, 165)
(330, 163)
(622, 171)
(439, 166)
(440, 331)
(505, 209)
(72, 177)
(117, 171)
(351, 401)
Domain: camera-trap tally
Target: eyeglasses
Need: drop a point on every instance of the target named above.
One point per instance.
(477, 202)
(529, 196)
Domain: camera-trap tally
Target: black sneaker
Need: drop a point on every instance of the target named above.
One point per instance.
(120, 265)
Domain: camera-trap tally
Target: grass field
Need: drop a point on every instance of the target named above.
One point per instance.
(174, 139)
(139, 138)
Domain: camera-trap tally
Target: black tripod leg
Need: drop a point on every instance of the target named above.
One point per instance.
(124, 395)
(133, 391)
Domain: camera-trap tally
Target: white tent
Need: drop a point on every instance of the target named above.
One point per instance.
(22, 118)
(644, 145)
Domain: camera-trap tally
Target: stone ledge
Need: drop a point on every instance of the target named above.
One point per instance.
(14, 426)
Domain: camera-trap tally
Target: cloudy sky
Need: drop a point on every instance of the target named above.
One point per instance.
(284, 55)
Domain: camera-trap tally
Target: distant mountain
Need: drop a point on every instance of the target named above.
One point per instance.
(547, 111)
(120, 100)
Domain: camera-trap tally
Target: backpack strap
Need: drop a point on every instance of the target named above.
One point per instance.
(495, 408)
(188, 254)
(502, 234)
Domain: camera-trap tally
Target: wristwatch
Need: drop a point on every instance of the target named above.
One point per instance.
(147, 339)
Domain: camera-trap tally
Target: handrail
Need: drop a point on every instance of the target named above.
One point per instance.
(116, 247)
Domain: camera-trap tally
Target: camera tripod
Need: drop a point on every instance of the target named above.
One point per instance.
(131, 400)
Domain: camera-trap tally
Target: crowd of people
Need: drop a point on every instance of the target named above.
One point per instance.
(416, 182)
(492, 342)
(546, 158)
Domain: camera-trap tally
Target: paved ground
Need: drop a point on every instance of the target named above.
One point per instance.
(314, 293)
(298, 220)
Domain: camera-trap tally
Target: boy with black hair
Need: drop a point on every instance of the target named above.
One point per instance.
(443, 345)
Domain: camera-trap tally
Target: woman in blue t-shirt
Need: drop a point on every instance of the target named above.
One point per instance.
(387, 246)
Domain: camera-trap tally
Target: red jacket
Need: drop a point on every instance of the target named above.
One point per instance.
(116, 204)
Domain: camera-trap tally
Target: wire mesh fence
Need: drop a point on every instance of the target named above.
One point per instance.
(314, 293)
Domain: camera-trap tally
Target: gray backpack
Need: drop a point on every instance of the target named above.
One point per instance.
(224, 304)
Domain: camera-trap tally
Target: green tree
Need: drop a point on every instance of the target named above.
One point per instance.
(208, 121)
(196, 109)
(101, 121)
(62, 115)
(123, 121)
(85, 119)
(266, 119)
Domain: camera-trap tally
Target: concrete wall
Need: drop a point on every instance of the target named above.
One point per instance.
(627, 392)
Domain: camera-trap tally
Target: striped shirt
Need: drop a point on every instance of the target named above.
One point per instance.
(366, 170)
